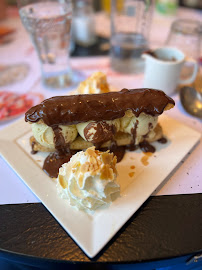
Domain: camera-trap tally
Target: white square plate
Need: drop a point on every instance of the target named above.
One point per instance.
(139, 176)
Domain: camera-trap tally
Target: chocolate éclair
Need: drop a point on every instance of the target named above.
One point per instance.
(110, 120)
(68, 110)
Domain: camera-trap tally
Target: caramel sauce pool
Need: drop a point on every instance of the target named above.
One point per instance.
(145, 158)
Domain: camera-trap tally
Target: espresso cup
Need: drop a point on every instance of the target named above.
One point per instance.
(163, 67)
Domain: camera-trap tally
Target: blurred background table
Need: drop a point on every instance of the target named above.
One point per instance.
(165, 231)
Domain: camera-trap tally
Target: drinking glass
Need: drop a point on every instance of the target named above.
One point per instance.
(185, 35)
(48, 23)
(130, 27)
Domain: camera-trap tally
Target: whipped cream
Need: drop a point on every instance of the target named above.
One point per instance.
(88, 180)
(95, 84)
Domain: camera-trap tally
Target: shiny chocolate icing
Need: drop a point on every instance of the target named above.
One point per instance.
(68, 110)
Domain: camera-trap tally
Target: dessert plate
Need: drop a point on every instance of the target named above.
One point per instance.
(10, 74)
(13, 105)
(6, 34)
(139, 175)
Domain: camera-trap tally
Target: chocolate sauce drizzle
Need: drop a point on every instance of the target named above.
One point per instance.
(62, 154)
(33, 152)
(147, 147)
(54, 161)
(59, 140)
(118, 151)
(162, 140)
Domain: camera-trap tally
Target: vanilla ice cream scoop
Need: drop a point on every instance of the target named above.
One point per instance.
(95, 84)
(88, 179)
(138, 126)
(45, 134)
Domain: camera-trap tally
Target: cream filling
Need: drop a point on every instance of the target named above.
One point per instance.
(143, 125)
(45, 134)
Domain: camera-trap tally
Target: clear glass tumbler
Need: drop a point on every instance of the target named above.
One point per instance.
(130, 27)
(185, 35)
(48, 23)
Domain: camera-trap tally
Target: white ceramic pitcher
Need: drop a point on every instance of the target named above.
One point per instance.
(163, 67)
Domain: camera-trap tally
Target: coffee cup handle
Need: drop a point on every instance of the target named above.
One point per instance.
(194, 74)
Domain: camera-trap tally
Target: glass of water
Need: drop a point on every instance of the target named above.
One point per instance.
(130, 26)
(185, 35)
(48, 23)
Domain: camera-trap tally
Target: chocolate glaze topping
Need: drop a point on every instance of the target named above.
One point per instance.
(68, 110)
